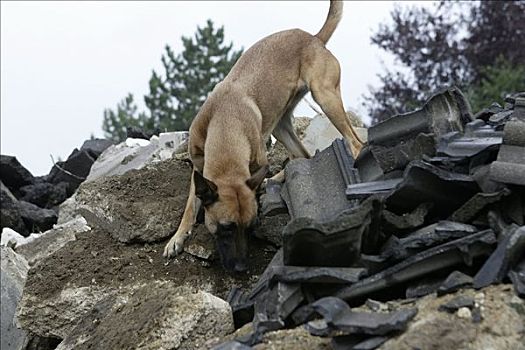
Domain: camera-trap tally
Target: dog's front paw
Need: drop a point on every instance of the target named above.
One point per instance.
(174, 247)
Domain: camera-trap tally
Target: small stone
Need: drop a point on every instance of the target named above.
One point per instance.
(464, 312)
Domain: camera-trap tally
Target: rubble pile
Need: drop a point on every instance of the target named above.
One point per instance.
(418, 243)
(434, 204)
(29, 203)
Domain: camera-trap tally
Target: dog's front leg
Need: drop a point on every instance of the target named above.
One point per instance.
(176, 243)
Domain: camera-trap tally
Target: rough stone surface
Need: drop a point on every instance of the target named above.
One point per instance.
(143, 205)
(10, 211)
(321, 133)
(135, 154)
(157, 316)
(64, 286)
(502, 327)
(37, 219)
(13, 276)
(13, 174)
(50, 241)
(291, 339)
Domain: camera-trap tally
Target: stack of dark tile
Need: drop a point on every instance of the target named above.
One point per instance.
(434, 203)
(30, 203)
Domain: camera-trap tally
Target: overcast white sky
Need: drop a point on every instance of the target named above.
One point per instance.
(63, 63)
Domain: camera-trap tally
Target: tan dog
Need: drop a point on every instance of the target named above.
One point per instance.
(228, 135)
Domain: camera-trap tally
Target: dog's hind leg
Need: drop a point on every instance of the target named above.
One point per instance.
(285, 133)
(325, 89)
(176, 243)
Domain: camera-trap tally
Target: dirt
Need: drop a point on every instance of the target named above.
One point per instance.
(97, 259)
(141, 205)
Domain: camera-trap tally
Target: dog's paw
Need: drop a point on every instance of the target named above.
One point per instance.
(173, 248)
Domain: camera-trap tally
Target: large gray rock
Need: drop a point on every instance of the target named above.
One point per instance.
(135, 154)
(139, 206)
(37, 219)
(10, 211)
(13, 277)
(45, 244)
(158, 316)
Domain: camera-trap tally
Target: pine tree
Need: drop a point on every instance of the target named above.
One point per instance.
(189, 77)
(116, 123)
(175, 97)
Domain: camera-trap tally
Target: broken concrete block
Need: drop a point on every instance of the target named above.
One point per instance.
(11, 238)
(339, 319)
(128, 206)
(320, 133)
(159, 316)
(455, 281)
(509, 251)
(13, 275)
(47, 243)
(133, 154)
(461, 250)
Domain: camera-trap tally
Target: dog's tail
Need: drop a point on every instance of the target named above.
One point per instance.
(332, 20)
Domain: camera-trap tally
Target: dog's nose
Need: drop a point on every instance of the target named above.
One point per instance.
(240, 266)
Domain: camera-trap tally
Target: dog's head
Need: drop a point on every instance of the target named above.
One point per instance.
(230, 211)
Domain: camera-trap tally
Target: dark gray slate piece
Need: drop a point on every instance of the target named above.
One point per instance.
(366, 189)
(471, 208)
(335, 275)
(510, 165)
(477, 137)
(334, 243)
(424, 238)
(309, 182)
(454, 282)
(242, 307)
(13, 174)
(403, 138)
(271, 201)
(457, 303)
(517, 276)
(338, 319)
(399, 223)
(36, 218)
(509, 251)
(423, 183)
(462, 250)
(95, 147)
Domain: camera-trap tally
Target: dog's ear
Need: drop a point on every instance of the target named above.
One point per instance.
(205, 189)
(257, 177)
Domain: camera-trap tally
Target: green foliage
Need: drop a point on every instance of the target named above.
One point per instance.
(499, 80)
(115, 123)
(176, 95)
(452, 43)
